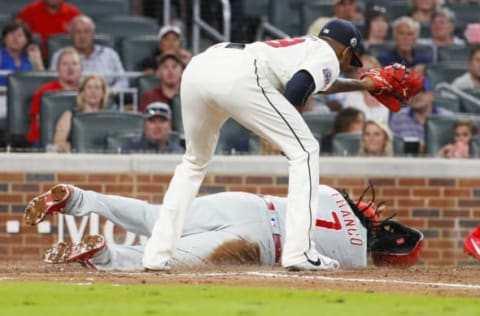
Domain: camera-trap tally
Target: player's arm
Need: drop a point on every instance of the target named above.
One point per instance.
(344, 85)
(299, 88)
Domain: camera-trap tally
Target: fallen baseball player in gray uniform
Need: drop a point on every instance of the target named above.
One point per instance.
(228, 228)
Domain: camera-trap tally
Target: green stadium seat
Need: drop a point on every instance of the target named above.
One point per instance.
(21, 87)
(236, 139)
(121, 27)
(439, 131)
(465, 12)
(346, 144)
(398, 146)
(396, 9)
(90, 130)
(452, 104)
(100, 9)
(469, 106)
(309, 12)
(135, 49)
(177, 122)
(13, 7)
(52, 106)
(56, 42)
(145, 83)
(318, 123)
(438, 73)
(453, 54)
(474, 150)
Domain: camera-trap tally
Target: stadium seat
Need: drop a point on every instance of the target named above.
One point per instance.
(90, 130)
(319, 124)
(135, 49)
(21, 87)
(52, 105)
(100, 9)
(145, 83)
(177, 122)
(121, 27)
(468, 106)
(117, 141)
(398, 146)
(236, 139)
(451, 104)
(474, 150)
(396, 9)
(438, 73)
(453, 54)
(346, 144)
(439, 131)
(465, 12)
(13, 7)
(56, 42)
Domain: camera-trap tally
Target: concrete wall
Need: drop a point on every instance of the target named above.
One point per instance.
(439, 197)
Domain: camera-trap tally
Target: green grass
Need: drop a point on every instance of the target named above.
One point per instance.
(49, 298)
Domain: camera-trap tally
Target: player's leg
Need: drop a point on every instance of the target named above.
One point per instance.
(267, 113)
(202, 121)
(134, 215)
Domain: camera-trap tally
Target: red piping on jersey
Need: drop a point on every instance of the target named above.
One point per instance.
(276, 237)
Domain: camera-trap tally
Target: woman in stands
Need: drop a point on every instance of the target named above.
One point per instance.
(377, 140)
(465, 130)
(18, 53)
(92, 97)
(376, 26)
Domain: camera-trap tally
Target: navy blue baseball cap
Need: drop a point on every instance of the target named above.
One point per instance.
(346, 33)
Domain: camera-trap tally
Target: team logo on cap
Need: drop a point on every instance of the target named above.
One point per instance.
(326, 31)
(327, 75)
(353, 42)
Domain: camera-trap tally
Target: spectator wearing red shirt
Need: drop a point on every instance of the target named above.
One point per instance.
(169, 71)
(48, 17)
(69, 70)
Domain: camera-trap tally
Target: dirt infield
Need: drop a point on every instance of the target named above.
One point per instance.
(438, 281)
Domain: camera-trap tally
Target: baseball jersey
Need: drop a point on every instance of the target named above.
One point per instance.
(281, 59)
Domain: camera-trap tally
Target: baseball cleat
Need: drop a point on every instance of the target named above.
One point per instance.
(50, 202)
(472, 243)
(82, 252)
(322, 263)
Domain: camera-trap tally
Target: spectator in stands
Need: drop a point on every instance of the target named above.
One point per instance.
(405, 35)
(48, 17)
(363, 100)
(470, 79)
(442, 28)
(377, 139)
(170, 42)
(348, 120)
(472, 33)
(464, 130)
(156, 132)
(342, 9)
(376, 26)
(169, 71)
(69, 71)
(95, 58)
(409, 122)
(18, 53)
(92, 97)
(422, 10)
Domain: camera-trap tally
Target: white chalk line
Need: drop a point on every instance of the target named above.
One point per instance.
(276, 275)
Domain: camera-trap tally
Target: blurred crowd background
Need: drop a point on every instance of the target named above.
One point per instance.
(104, 75)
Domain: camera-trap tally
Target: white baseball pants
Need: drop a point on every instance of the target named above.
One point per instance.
(228, 82)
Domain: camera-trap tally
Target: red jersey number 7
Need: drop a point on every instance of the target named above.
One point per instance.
(285, 42)
(335, 224)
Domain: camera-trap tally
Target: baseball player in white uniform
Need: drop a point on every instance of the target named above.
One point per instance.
(212, 222)
(263, 86)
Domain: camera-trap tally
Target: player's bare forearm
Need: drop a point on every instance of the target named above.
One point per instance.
(344, 85)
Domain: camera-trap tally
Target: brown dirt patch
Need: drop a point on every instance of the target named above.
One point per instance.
(421, 280)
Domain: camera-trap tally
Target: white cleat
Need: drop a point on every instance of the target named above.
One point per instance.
(322, 263)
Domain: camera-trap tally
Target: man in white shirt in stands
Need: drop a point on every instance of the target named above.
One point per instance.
(470, 79)
(95, 58)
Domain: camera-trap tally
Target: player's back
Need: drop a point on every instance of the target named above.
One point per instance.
(280, 59)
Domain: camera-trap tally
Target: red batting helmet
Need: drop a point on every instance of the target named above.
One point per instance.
(396, 245)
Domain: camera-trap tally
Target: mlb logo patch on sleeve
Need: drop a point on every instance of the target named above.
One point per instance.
(327, 74)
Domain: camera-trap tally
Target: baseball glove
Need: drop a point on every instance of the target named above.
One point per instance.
(395, 244)
(394, 84)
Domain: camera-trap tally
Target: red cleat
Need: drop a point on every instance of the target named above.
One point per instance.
(50, 202)
(472, 243)
(82, 252)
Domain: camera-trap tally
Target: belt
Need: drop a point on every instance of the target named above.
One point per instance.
(235, 45)
(273, 215)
